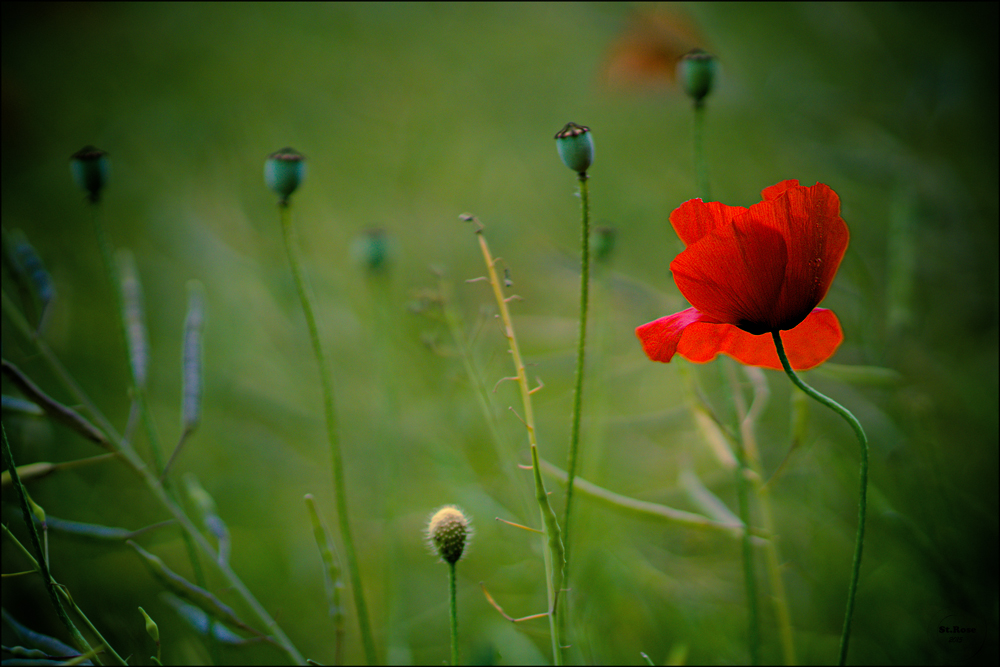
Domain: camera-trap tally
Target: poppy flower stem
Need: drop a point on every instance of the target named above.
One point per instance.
(863, 497)
(332, 435)
(700, 165)
(453, 606)
(574, 439)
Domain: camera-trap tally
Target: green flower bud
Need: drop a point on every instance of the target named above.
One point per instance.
(89, 167)
(151, 628)
(696, 71)
(448, 532)
(576, 147)
(372, 250)
(602, 243)
(284, 171)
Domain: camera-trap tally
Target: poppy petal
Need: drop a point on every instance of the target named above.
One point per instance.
(660, 337)
(776, 190)
(816, 237)
(694, 218)
(807, 345)
(735, 274)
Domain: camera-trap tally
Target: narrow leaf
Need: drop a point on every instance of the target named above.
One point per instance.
(714, 437)
(709, 503)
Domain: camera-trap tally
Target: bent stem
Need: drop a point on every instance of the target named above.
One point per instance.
(336, 459)
(574, 440)
(863, 495)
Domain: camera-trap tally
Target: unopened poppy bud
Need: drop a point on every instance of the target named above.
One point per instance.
(372, 250)
(89, 167)
(576, 147)
(448, 532)
(284, 171)
(602, 243)
(697, 71)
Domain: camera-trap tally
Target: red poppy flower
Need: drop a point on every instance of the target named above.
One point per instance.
(749, 272)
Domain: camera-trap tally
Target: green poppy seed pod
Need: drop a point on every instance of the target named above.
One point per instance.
(576, 147)
(89, 167)
(284, 171)
(371, 249)
(448, 532)
(696, 71)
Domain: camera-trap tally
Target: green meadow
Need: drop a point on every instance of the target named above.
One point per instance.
(410, 115)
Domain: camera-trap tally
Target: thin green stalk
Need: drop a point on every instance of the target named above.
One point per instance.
(749, 575)
(554, 553)
(748, 418)
(454, 613)
(700, 164)
(863, 495)
(743, 473)
(336, 459)
(574, 439)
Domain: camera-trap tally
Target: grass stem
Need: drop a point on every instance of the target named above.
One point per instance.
(333, 437)
(554, 553)
(453, 605)
(574, 439)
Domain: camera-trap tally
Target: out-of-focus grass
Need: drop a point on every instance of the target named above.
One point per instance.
(412, 114)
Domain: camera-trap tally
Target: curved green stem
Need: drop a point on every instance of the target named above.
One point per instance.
(331, 430)
(454, 613)
(574, 439)
(863, 496)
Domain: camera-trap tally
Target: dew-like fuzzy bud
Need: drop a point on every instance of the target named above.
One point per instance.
(696, 72)
(576, 147)
(448, 533)
(89, 167)
(284, 171)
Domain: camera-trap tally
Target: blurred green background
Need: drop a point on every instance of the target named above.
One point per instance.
(412, 114)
